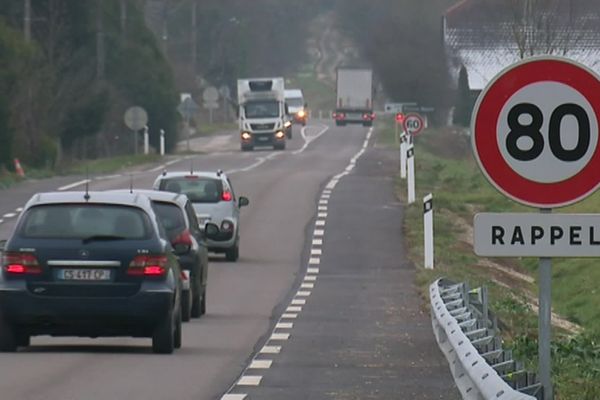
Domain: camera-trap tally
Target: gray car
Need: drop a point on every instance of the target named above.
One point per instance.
(214, 200)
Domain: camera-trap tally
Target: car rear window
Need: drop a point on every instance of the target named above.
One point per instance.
(170, 216)
(197, 189)
(81, 221)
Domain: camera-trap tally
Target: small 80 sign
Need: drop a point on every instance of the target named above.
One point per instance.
(535, 132)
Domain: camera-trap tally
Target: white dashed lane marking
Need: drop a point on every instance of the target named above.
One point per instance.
(280, 336)
(271, 350)
(74, 185)
(260, 364)
(250, 380)
(295, 307)
(9, 215)
(234, 397)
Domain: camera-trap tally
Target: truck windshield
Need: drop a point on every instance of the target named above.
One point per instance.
(262, 109)
(296, 102)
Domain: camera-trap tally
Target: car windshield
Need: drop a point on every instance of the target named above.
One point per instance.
(295, 102)
(262, 109)
(170, 216)
(85, 221)
(197, 189)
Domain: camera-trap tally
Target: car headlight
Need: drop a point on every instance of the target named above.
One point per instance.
(301, 113)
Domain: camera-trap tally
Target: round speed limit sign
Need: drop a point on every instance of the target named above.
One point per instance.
(535, 132)
(413, 124)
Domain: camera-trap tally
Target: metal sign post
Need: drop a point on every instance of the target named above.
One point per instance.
(188, 108)
(545, 100)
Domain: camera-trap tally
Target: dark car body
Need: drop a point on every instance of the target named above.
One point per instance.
(89, 264)
(177, 215)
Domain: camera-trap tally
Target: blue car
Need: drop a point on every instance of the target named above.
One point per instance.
(90, 264)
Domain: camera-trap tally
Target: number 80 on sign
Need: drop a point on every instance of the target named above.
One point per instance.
(535, 132)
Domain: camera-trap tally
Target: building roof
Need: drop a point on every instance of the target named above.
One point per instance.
(487, 36)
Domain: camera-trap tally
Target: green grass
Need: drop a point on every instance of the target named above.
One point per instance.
(110, 165)
(445, 166)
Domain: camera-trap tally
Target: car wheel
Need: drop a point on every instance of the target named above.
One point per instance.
(233, 253)
(177, 338)
(8, 338)
(163, 338)
(203, 303)
(199, 295)
(186, 303)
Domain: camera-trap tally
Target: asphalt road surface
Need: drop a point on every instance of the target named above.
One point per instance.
(322, 221)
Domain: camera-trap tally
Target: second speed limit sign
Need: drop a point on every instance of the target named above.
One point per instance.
(535, 132)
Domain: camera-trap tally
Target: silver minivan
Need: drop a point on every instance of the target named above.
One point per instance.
(214, 200)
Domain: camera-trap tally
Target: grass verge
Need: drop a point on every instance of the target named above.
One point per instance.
(445, 166)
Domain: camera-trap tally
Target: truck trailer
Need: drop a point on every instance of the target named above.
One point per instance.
(354, 97)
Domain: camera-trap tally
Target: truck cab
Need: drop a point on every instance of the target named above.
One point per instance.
(262, 113)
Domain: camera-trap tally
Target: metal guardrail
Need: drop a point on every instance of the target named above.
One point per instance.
(467, 333)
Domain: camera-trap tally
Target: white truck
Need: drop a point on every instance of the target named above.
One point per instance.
(297, 107)
(262, 112)
(354, 97)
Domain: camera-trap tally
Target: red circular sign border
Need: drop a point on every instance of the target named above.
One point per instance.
(418, 116)
(485, 118)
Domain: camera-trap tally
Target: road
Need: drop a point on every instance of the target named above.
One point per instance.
(289, 193)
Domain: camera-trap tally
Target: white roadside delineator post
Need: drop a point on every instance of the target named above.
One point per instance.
(162, 142)
(403, 143)
(146, 141)
(428, 230)
(410, 160)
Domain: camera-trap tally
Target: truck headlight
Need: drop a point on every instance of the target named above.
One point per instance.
(301, 113)
(279, 135)
(246, 136)
(287, 124)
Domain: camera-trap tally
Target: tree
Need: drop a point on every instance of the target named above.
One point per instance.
(464, 100)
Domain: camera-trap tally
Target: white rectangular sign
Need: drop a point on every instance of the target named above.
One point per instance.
(536, 235)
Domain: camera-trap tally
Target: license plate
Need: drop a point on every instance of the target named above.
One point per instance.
(90, 274)
(263, 138)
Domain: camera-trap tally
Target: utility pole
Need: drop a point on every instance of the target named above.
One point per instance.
(165, 30)
(27, 20)
(100, 51)
(123, 17)
(194, 39)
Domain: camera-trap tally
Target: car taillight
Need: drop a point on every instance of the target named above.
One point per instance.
(226, 196)
(145, 265)
(21, 264)
(183, 242)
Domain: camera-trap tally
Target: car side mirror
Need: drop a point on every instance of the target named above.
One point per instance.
(211, 231)
(243, 201)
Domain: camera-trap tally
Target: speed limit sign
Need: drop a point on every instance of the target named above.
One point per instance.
(535, 132)
(413, 124)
